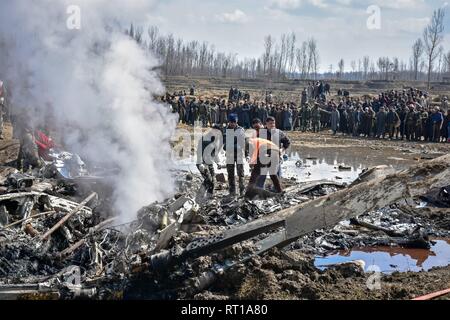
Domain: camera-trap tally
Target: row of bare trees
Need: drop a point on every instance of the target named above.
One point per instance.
(279, 60)
(290, 58)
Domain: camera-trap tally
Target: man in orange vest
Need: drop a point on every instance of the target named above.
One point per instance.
(262, 162)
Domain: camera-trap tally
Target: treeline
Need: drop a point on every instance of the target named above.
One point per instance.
(429, 61)
(288, 57)
(280, 59)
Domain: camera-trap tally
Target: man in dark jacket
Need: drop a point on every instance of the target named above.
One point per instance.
(391, 120)
(280, 139)
(381, 123)
(235, 145)
(437, 120)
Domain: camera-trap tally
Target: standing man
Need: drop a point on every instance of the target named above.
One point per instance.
(316, 116)
(304, 99)
(335, 120)
(305, 117)
(281, 140)
(437, 120)
(29, 153)
(381, 123)
(207, 154)
(391, 120)
(236, 151)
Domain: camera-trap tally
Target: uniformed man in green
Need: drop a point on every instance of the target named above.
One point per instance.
(315, 117)
(306, 117)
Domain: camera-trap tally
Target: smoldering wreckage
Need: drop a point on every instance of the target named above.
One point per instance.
(58, 240)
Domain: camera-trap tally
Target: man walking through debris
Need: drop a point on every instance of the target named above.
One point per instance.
(207, 154)
(281, 140)
(236, 150)
(263, 161)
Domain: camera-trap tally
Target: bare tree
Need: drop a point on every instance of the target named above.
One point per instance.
(292, 53)
(440, 63)
(313, 57)
(366, 66)
(268, 43)
(432, 38)
(418, 50)
(447, 62)
(341, 66)
(353, 65)
(302, 59)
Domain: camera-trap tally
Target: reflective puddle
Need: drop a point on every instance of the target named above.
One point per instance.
(308, 167)
(391, 259)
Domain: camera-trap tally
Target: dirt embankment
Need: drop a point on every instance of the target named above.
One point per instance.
(292, 276)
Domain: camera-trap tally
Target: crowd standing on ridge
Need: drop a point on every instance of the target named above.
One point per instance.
(408, 114)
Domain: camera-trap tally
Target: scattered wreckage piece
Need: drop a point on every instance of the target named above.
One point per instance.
(67, 252)
(29, 292)
(389, 232)
(38, 215)
(68, 216)
(25, 201)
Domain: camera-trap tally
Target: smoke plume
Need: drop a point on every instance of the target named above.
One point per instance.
(95, 85)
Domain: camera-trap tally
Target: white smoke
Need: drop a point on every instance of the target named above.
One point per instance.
(99, 84)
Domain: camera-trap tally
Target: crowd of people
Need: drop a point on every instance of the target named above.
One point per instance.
(405, 114)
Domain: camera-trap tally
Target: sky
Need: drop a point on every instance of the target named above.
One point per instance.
(339, 26)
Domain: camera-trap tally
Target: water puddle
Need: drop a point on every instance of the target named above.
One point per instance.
(391, 259)
(301, 167)
(308, 167)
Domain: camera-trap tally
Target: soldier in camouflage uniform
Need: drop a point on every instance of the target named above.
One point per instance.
(315, 117)
(306, 117)
(29, 153)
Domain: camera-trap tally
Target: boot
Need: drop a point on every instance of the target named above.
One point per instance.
(277, 185)
(241, 187)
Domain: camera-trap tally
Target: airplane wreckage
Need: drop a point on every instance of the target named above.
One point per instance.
(56, 243)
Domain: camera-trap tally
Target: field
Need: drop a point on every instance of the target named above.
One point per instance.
(289, 90)
(290, 273)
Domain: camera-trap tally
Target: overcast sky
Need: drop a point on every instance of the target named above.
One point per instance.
(340, 26)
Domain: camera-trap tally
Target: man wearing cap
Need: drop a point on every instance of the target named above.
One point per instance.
(236, 151)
